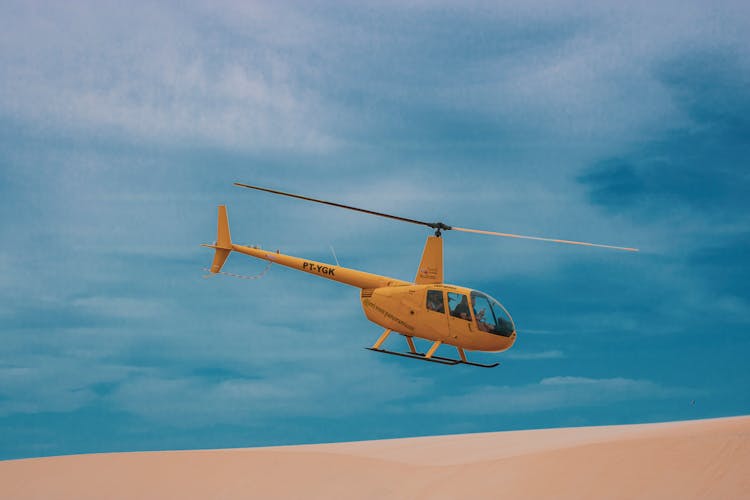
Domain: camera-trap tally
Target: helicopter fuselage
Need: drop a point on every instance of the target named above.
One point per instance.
(407, 310)
(428, 311)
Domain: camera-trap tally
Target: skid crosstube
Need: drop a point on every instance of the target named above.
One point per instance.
(434, 359)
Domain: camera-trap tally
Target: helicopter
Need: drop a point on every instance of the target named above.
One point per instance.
(426, 308)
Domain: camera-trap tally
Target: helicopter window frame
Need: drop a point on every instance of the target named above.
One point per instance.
(438, 301)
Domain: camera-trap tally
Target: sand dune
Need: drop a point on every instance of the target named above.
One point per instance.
(696, 459)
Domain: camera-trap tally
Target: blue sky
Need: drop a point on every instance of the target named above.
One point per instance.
(123, 126)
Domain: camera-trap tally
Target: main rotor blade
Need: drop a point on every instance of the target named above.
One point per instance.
(339, 205)
(537, 238)
(435, 225)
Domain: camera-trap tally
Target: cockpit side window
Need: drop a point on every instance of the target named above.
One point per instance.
(491, 316)
(435, 301)
(483, 312)
(459, 306)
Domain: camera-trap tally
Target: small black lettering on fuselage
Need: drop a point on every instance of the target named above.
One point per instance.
(317, 268)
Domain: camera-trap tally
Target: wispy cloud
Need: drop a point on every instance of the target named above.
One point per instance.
(551, 393)
(551, 354)
(123, 126)
(52, 383)
(200, 401)
(120, 307)
(170, 82)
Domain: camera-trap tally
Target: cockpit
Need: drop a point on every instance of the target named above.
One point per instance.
(490, 315)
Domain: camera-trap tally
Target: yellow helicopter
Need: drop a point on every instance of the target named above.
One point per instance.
(426, 308)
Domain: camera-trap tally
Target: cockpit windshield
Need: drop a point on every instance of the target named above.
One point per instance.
(491, 316)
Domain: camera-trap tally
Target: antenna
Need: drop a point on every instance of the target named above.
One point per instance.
(334, 255)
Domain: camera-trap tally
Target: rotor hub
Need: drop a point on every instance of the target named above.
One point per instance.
(439, 227)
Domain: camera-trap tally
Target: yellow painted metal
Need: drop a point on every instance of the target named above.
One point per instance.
(220, 257)
(344, 275)
(223, 239)
(396, 305)
(460, 327)
(462, 354)
(223, 244)
(431, 266)
(403, 309)
(381, 339)
(432, 349)
(410, 341)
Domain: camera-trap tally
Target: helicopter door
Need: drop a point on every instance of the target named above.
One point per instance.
(459, 317)
(435, 315)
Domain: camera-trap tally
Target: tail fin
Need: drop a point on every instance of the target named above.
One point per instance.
(431, 267)
(223, 245)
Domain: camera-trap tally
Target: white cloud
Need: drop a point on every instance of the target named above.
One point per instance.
(142, 72)
(244, 76)
(551, 393)
(255, 76)
(121, 307)
(551, 354)
(50, 383)
(315, 391)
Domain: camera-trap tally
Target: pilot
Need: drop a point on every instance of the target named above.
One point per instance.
(481, 323)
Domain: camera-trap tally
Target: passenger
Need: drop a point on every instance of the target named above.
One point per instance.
(462, 309)
(435, 301)
(435, 304)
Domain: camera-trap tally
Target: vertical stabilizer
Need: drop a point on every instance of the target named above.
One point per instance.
(223, 240)
(431, 267)
(223, 244)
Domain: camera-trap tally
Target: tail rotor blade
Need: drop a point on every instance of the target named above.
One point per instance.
(537, 238)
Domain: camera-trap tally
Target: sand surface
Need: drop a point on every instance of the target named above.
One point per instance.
(696, 459)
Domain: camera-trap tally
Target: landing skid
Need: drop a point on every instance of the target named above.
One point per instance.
(418, 355)
(433, 359)
(428, 356)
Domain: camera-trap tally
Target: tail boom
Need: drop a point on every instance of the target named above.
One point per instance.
(344, 275)
(224, 246)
